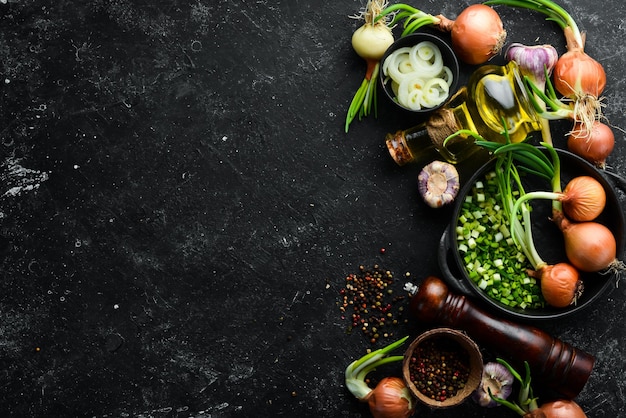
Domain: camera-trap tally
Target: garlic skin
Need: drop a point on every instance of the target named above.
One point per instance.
(438, 183)
(497, 379)
(534, 61)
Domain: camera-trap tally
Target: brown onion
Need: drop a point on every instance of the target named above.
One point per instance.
(595, 145)
(558, 409)
(477, 33)
(576, 74)
(560, 285)
(589, 246)
(583, 199)
(580, 78)
(390, 399)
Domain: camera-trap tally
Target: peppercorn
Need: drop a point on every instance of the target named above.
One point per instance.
(439, 368)
(370, 297)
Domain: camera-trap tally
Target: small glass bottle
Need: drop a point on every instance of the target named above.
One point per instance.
(495, 95)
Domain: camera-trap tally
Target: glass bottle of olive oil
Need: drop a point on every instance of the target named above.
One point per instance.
(493, 101)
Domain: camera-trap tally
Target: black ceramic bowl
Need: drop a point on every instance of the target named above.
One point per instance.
(449, 59)
(547, 238)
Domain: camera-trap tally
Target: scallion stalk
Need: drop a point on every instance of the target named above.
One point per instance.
(357, 370)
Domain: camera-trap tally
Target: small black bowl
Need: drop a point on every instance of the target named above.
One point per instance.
(449, 59)
(547, 238)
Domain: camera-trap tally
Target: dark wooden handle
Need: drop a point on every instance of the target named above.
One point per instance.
(558, 365)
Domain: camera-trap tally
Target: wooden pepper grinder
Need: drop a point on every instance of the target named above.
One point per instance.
(561, 367)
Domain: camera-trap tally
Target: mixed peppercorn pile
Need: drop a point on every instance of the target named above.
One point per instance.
(439, 368)
(369, 303)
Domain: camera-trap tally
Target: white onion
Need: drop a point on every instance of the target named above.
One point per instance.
(418, 76)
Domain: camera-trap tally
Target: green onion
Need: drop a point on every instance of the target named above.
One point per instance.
(357, 370)
(499, 265)
(553, 11)
(414, 19)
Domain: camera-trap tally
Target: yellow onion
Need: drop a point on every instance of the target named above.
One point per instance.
(560, 285)
(558, 409)
(594, 146)
(581, 78)
(589, 246)
(577, 75)
(390, 399)
(584, 198)
(477, 33)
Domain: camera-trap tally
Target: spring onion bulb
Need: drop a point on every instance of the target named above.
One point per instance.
(559, 409)
(594, 146)
(589, 246)
(527, 405)
(391, 398)
(592, 140)
(560, 284)
(418, 76)
(370, 41)
(583, 198)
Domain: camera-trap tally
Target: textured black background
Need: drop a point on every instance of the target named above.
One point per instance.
(180, 207)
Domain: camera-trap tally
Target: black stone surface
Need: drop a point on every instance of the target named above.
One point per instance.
(180, 207)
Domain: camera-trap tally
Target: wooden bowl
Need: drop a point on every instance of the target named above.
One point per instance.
(427, 350)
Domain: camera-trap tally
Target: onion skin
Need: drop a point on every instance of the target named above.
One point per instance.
(477, 33)
(584, 199)
(589, 246)
(557, 409)
(560, 285)
(390, 399)
(594, 146)
(576, 74)
(370, 42)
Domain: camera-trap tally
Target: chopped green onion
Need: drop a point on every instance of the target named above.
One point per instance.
(482, 232)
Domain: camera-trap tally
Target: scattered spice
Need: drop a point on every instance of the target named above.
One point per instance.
(369, 303)
(439, 368)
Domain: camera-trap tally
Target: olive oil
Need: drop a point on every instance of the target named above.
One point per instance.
(493, 102)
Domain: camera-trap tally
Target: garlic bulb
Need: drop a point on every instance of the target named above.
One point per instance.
(496, 379)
